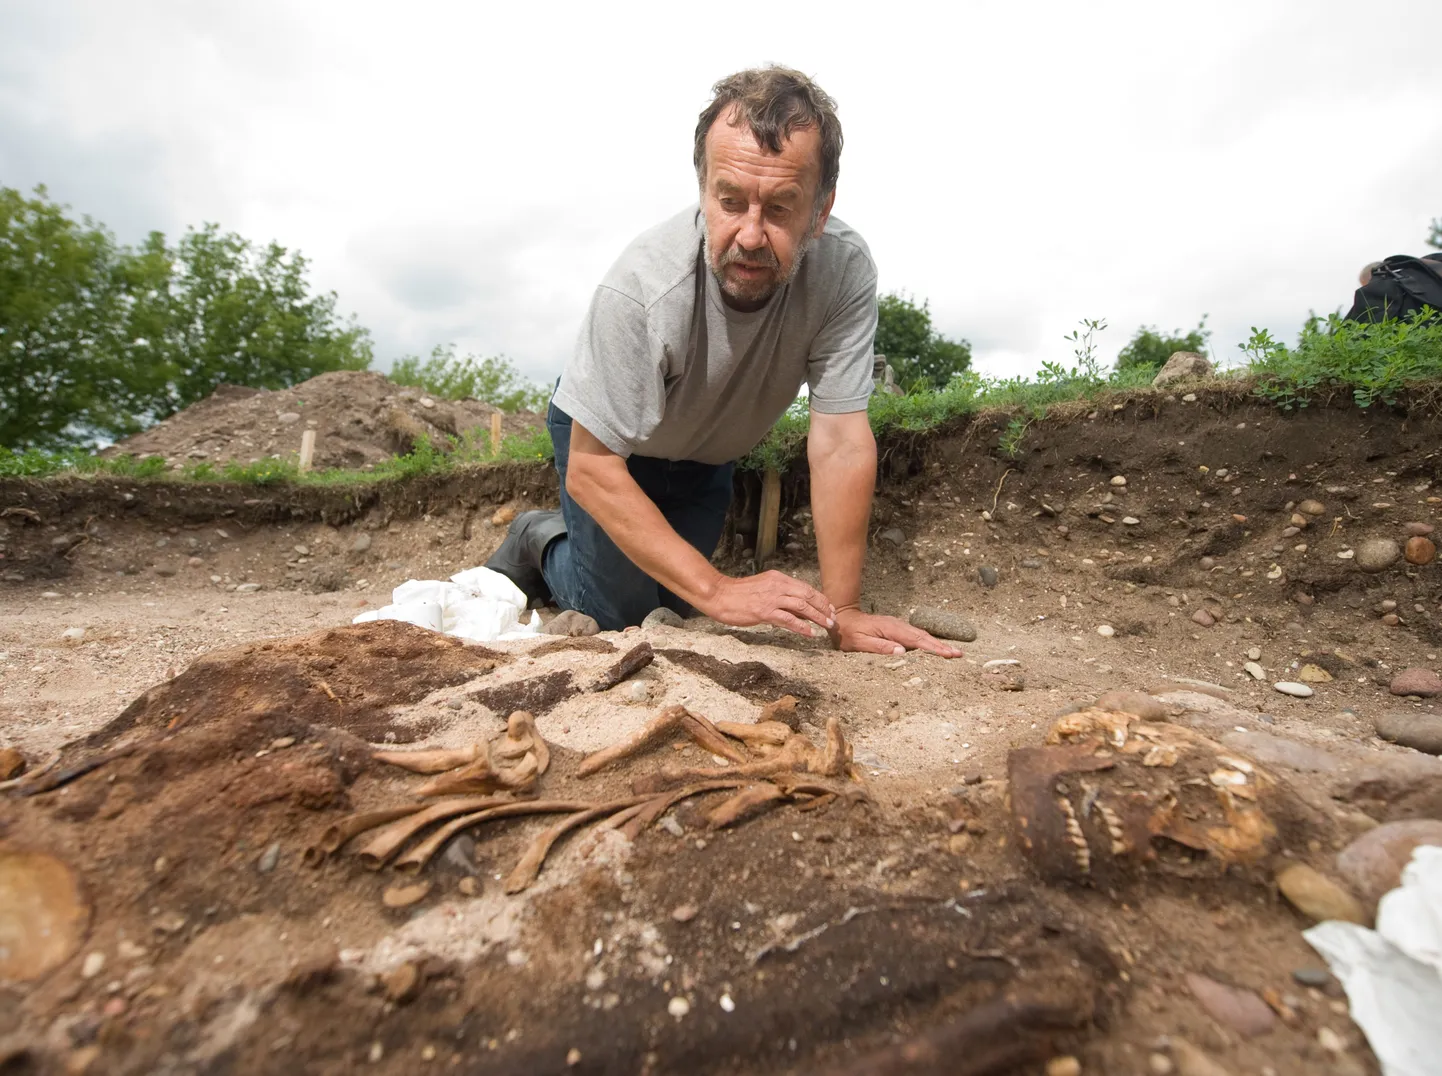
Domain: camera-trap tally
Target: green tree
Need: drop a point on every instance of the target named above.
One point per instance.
(99, 340)
(1151, 349)
(491, 380)
(59, 314)
(922, 358)
(1435, 239)
(215, 309)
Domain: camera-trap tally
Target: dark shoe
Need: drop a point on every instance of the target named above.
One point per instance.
(520, 556)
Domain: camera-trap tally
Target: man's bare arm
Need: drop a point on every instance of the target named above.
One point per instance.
(597, 479)
(842, 454)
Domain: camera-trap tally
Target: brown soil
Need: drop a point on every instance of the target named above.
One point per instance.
(917, 934)
(360, 418)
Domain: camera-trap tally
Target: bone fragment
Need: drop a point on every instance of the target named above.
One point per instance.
(767, 733)
(655, 807)
(836, 757)
(709, 738)
(782, 710)
(480, 776)
(436, 760)
(530, 865)
(656, 730)
(671, 776)
(629, 664)
(523, 737)
(386, 841)
(416, 859)
(337, 833)
(749, 800)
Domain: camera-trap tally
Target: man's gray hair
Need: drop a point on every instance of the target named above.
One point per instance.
(775, 101)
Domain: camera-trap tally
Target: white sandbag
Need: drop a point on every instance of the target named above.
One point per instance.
(1393, 975)
(477, 604)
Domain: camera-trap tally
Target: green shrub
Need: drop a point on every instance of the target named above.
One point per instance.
(491, 380)
(1151, 349)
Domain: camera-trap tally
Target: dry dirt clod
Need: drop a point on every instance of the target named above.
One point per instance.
(403, 896)
(1377, 554)
(1194, 1061)
(944, 624)
(402, 983)
(1318, 897)
(12, 763)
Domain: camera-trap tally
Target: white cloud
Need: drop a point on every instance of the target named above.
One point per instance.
(465, 173)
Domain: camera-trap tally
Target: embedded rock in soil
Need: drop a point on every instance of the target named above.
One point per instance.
(1420, 551)
(1416, 681)
(1204, 618)
(895, 535)
(1255, 671)
(1372, 864)
(1318, 897)
(753, 680)
(1314, 674)
(12, 763)
(1241, 1010)
(1182, 366)
(572, 623)
(988, 575)
(1377, 554)
(1312, 508)
(944, 625)
(361, 544)
(1297, 691)
(1419, 530)
(43, 916)
(1136, 703)
(1421, 732)
(661, 617)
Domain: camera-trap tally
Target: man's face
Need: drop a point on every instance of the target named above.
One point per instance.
(760, 210)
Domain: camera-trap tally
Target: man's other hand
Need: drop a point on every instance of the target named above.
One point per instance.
(770, 598)
(870, 634)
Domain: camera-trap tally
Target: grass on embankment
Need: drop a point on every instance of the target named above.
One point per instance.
(1398, 362)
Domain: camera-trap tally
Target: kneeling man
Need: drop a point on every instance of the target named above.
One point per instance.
(696, 341)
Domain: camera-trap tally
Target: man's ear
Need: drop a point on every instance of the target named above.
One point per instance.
(823, 216)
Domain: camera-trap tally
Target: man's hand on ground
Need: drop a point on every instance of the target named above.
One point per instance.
(770, 598)
(870, 634)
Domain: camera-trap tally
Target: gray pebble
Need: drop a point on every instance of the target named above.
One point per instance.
(571, 623)
(895, 535)
(661, 617)
(1031, 562)
(1315, 977)
(988, 575)
(461, 853)
(361, 544)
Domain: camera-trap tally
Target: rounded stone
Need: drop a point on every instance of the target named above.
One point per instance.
(1416, 681)
(1241, 1010)
(1255, 671)
(1420, 551)
(660, 617)
(988, 575)
(943, 624)
(1391, 620)
(1318, 897)
(1106, 631)
(1312, 508)
(1421, 732)
(1298, 691)
(1204, 618)
(1372, 864)
(1377, 554)
(1419, 530)
(1119, 480)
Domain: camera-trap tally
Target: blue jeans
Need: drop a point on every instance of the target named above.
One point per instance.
(586, 571)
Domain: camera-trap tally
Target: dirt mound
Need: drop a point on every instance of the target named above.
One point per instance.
(360, 418)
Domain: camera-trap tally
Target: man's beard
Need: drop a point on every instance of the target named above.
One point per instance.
(755, 291)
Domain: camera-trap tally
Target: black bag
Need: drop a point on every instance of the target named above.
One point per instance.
(1399, 286)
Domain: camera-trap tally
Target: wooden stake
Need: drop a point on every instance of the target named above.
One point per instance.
(770, 516)
(307, 450)
(495, 433)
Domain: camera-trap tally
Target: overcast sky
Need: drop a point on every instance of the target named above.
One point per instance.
(462, 172)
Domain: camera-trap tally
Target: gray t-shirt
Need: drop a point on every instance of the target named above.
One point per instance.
(665, 368)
